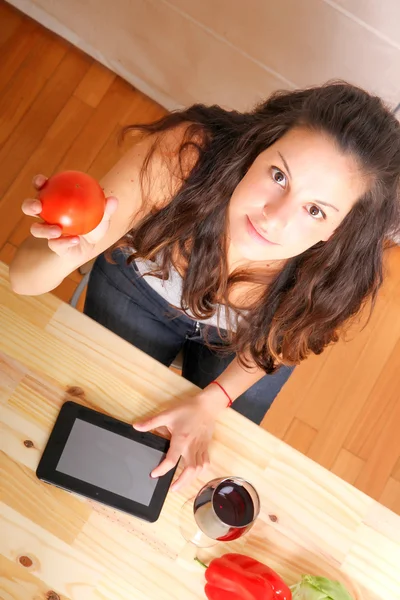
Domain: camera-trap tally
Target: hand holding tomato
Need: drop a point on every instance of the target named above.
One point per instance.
(65, 220)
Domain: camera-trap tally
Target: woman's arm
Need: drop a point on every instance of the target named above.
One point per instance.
(45, 259)
(236, 379)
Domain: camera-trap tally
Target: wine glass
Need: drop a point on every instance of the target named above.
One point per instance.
(223, 510)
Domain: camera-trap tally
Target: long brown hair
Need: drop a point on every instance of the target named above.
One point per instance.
(316, 292)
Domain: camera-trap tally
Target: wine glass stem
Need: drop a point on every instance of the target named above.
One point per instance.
(197, 537)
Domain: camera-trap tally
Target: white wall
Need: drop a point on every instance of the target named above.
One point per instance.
(233, 52)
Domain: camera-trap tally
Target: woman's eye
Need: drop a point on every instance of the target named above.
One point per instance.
(316, 212)
(279, 177)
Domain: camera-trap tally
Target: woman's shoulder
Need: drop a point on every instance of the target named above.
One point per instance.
(176, 151)
(157, 163)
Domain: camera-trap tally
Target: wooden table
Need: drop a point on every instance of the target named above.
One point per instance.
(57, 545)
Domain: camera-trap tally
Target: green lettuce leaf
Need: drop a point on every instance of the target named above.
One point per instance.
(319, 588)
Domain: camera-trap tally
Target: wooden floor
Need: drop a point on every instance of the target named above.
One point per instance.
(60, 109)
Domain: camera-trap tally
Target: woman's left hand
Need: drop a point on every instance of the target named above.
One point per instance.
(191, 425)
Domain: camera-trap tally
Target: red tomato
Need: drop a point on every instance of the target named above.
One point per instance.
(74, 201)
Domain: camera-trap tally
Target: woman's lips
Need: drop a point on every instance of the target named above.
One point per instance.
(257, 236)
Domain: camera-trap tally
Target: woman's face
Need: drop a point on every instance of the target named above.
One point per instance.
(294, 195)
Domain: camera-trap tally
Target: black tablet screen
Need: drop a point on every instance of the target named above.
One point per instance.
(110, 461)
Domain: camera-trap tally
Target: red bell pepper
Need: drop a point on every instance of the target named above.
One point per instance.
(239, 577)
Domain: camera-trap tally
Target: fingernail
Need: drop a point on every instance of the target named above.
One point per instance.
(39, 180)
(55, 231)
(74, 241)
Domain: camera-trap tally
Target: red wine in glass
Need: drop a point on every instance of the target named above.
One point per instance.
(226, 508)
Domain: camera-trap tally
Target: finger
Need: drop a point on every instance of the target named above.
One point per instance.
(42, 230)
(200, 461)
(62, 245)
(190, 472)
(163, 432)
(167, 464)
(101, 229)
(188, 475)
(38, 181)
(160, 420)
(206, 459)
(31, 207)
(111, 206)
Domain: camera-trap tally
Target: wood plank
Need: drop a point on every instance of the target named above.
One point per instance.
(351, 399)
(44, 159)
(22, 440)
(375, 572)
(32, 408)
(294, 393)
(22, 228)
(28, 81)
(19, 583)
(108, 155)
(347, 466)
(75, 370)
(113, 552)
(383, 456)
(95, 84)
(94, 134)
(21, 536)
(7, 253)
(390, 496)
(141, 110)
(18, 48)
(335, 373)
(286, 558)
(12, 372)
(294, 492)
(300, 435)
(41, 115)
(65, 290)
(61, 514)
(37, 309)
(378, 410)
(81, 302)
(10, 20)
(75, 276)
(396, 470)
(384, 521)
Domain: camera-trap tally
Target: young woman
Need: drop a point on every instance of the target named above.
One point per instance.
(248, 239)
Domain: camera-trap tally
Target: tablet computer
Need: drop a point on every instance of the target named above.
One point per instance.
(107, 460)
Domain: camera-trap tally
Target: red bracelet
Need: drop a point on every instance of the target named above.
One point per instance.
(225, 392)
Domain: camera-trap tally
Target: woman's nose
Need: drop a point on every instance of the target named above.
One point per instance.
(276, 216)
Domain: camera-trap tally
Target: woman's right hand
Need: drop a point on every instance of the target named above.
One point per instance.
(73, 246)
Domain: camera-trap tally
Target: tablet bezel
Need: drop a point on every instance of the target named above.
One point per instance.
(46, 470)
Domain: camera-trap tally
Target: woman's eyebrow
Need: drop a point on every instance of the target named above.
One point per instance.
(286, 165)
(327, 204)
(290, 175)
